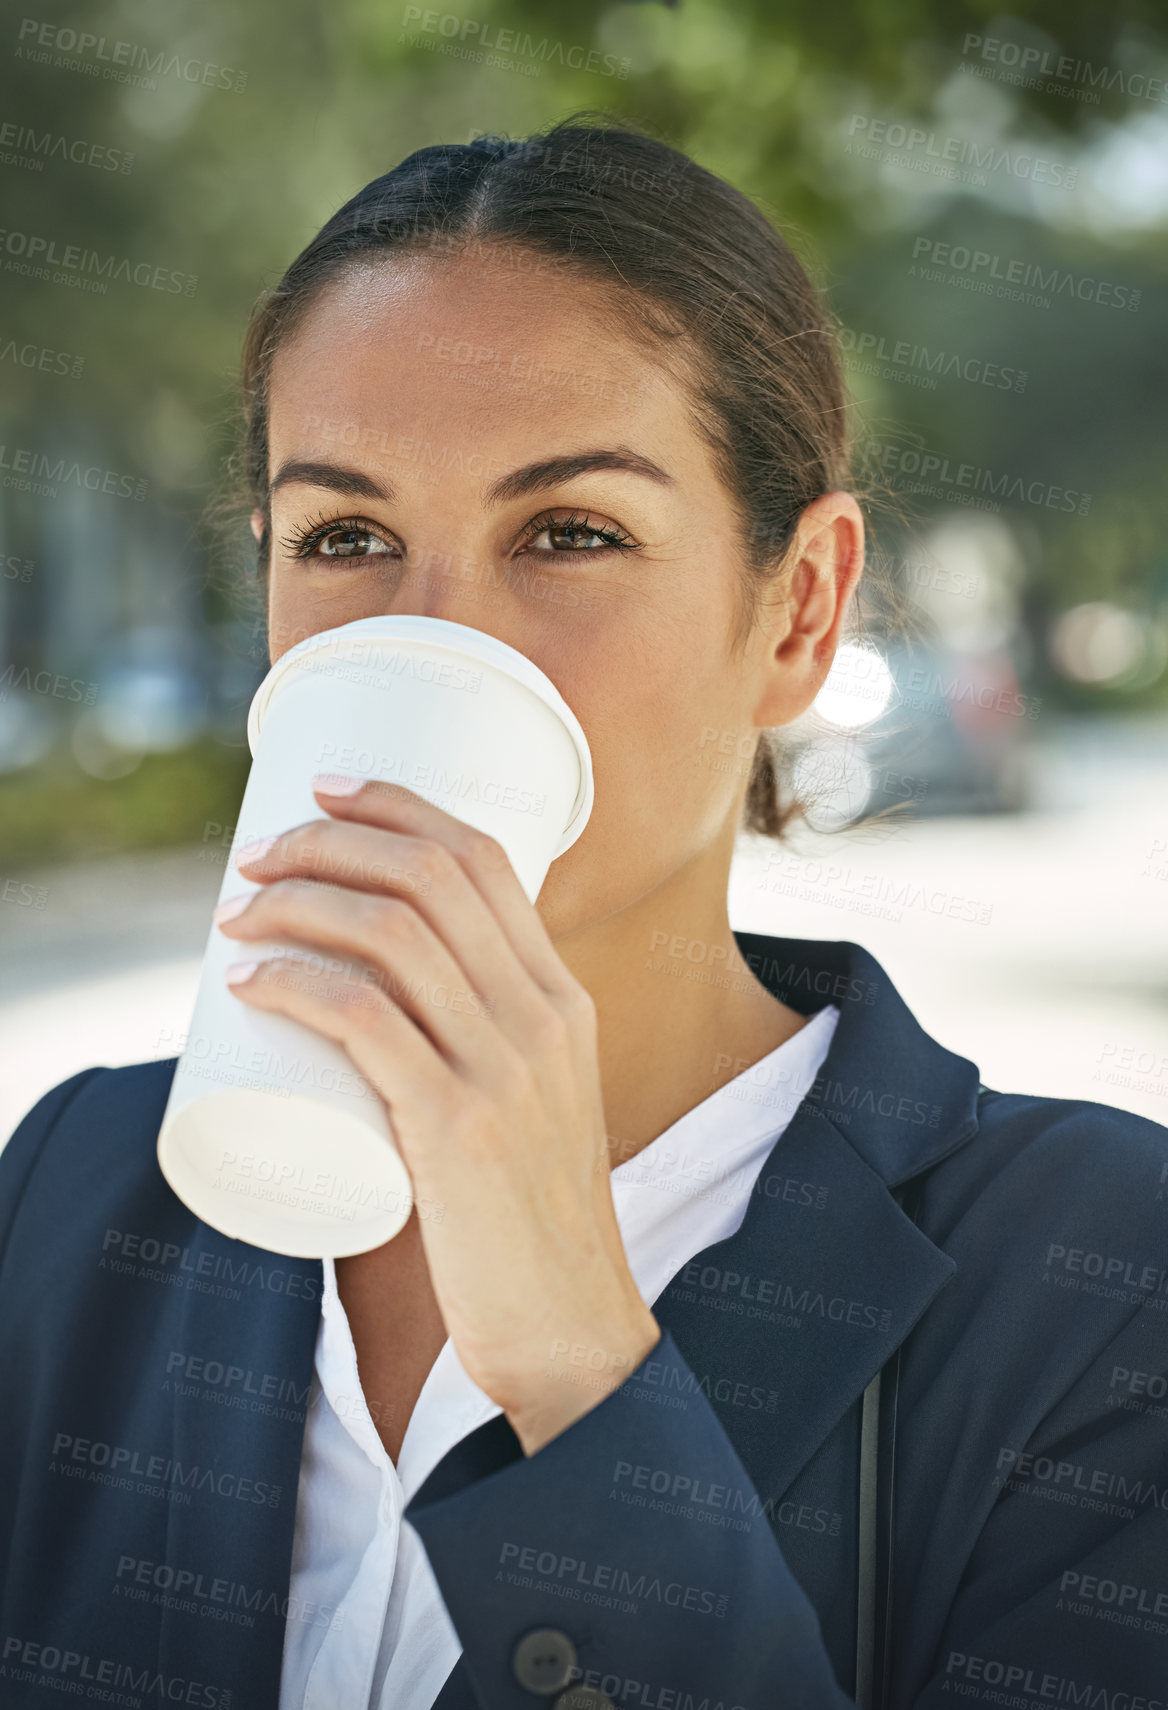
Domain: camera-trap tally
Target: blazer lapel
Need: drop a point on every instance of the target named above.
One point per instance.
(826, 1275)
(804, 1303)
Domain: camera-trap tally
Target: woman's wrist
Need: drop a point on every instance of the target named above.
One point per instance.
(581, 1372)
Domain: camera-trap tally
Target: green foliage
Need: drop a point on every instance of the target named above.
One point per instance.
(54, 812)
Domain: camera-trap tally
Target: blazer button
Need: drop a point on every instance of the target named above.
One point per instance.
(583, 1698)
(543, 1660)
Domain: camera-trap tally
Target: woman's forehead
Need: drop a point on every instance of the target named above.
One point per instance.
(386, 354)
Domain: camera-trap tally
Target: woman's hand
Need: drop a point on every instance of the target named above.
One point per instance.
(483, 1049)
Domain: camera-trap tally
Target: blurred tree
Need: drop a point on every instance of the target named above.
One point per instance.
(187, 153)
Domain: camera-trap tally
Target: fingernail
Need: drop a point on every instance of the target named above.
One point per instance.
(229, 909)
(255, 851)
(338, 783)
(240, 971)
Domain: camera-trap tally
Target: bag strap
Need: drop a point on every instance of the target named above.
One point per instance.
(874, 1520)
(866, 1593)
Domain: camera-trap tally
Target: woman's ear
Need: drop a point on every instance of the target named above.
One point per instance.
(829, 558)
(257, 523)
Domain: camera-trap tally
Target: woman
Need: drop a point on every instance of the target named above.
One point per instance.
(692, 1189)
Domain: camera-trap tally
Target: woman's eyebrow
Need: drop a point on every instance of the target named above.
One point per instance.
(547, 472)
(303, 472)
(550, 471)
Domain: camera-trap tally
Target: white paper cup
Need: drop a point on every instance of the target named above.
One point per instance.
(270, 1134)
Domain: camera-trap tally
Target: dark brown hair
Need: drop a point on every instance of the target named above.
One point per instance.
(688, 260)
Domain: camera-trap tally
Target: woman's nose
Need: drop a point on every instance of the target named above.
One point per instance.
(459, 584)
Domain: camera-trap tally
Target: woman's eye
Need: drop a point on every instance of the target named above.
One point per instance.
(563, 537)
(350, 543)
(572, 536)
(336, 537)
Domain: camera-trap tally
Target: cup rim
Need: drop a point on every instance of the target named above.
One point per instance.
(459, 639)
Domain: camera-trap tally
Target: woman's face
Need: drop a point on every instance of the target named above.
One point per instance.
(505, 459)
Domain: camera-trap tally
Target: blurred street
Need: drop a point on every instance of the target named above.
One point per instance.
(1034, 943)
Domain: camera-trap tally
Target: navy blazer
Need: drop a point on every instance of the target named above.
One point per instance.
(691, 1540)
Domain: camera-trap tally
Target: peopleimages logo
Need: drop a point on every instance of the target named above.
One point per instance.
(38, 254)
(39, 356)
(918, 365)
(1022, 281)
(24, 1656)
(196, 1592)
(950, 156)
(507, 49)
(1034, 65)
(112, 57)
(116, 1464)
(34, 471)
(46, 683)
(26, 147)
(931, 473)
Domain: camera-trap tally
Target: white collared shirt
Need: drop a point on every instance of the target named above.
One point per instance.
(367, 1627)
